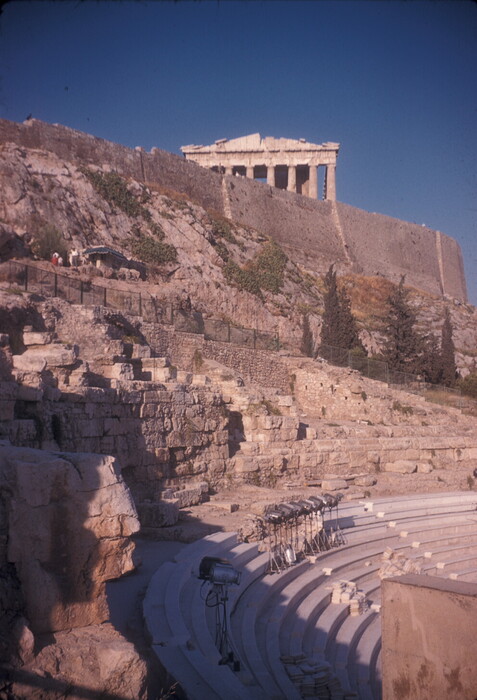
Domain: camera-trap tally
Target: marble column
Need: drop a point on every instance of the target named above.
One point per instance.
(291, 187)
(249, 171)
(330, 183)
(228, 170)
(271, 175)
(313, 183)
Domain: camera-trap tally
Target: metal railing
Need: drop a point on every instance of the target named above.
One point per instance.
(34, 279)
(31, 278)
(380, 370)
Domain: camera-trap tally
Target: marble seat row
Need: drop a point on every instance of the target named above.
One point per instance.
(283, 627)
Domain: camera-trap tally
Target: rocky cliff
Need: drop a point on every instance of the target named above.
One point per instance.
(320, 233)
(225, 270)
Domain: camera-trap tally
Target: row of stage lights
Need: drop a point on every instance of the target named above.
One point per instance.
(286, 545)
(298, 529)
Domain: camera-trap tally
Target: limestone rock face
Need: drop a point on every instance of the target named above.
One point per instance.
(87, 662)
(69, 521)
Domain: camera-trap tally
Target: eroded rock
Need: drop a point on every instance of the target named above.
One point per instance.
(70, 519)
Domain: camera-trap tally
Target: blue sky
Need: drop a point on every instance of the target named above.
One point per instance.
(393, 82)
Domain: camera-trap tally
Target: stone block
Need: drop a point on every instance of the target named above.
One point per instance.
(285, 400)
(149, 410)
(365, 480)
(401, 466)
(7, 410)
(113, 426)
(338, 458)
(27, 363)
(358, 459)
(309, 459)
(334, 484)
(249, 448)
(406, 455)
(244, 465)
(153, 362)
(29, 393)
(424, 467)
(122, 370)
(36, 338)
(159, 514)
(191, 495)
(89, 428)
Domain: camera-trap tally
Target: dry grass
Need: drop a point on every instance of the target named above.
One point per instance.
(451, 398)
(368, 296)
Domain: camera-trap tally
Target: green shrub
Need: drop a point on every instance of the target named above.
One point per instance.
(112, 187)
(402, 408)
(265, 272)
(244, 279)
(270, 265)
(468, 385)
(221, 250)
(149, 250)
(271, 408)
(47, 241)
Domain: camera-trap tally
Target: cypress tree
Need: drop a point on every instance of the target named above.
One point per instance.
(331, 313)
(339, 327)
(307, 337)
(403, 345)
(448, 367)
(430, 365)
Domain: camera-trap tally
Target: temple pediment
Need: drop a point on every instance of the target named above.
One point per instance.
(253, 143)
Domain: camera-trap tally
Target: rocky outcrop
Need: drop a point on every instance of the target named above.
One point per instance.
(94, 661)
(70, 518)
(65, 529)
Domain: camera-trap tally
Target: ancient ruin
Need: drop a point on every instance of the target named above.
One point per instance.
(155, 400)
(288, 164)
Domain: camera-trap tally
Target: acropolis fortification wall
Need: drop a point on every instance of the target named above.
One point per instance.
(319, 232)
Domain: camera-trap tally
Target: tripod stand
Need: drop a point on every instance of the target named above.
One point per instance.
(217, 598)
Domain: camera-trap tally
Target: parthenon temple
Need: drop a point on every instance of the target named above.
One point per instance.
(289, 164)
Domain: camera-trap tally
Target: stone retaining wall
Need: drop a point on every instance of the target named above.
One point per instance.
(186, 350)
(160, 434)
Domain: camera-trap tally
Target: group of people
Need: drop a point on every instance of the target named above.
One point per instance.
(57, 260)
(73, 259)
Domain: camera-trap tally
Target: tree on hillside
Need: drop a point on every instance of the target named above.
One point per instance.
(307, 345)
(448, 367)
(403, 346)
(430, 361)
(339, 328)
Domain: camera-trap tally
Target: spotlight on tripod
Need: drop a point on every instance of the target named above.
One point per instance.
(218, 571)
(220, 574)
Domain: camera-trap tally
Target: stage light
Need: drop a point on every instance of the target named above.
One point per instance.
(218, 571)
